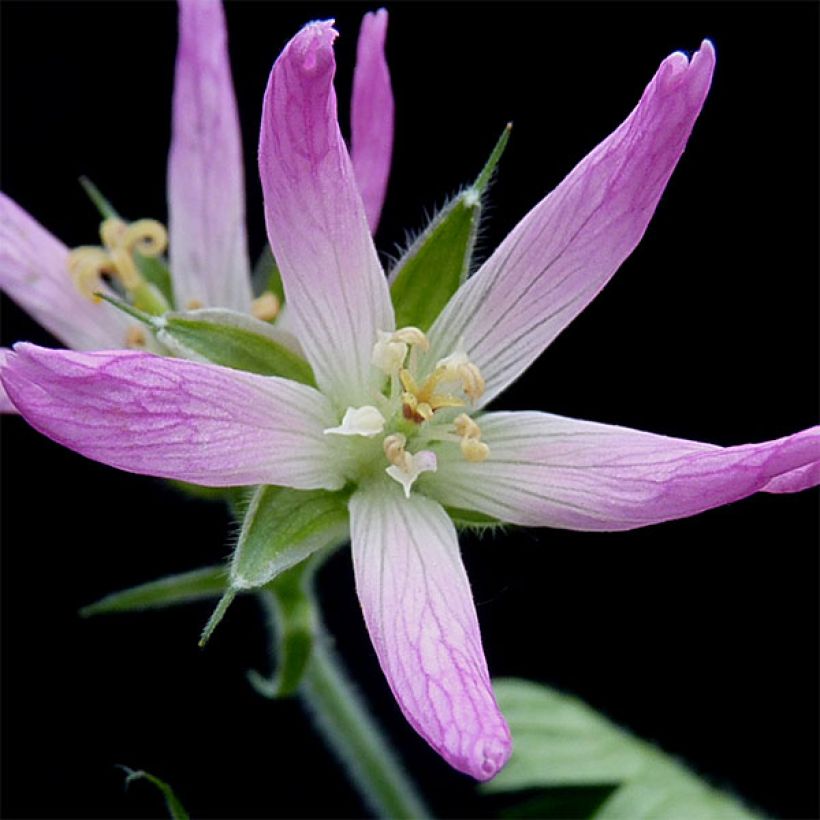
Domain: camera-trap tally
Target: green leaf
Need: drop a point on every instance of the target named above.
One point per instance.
(470, 519)
(438, 262)
(175, 808)
(234, 340)
(281, 528)
(105, 208)
(559, 741)
(290, 603)
(155, 271)
(197, 585)
(266, 276)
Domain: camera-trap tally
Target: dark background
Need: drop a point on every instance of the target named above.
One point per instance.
(701, 634)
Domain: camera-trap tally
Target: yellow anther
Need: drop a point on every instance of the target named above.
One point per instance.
(266, 306)
(465, 426)
(395, 452)
(474, 450)
(86, 266)
(194, 304)
(135, 339)
(116, 257)
(472, 381)
(147, 236)
(411, 336)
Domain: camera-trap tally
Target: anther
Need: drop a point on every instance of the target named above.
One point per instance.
(472, 448)
(364, 421)
(266, 306)
(135, 339)
(406, 467)
(412, 336)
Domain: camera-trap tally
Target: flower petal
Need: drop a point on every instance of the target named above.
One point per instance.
(420, 614)
(796, 480)
(566, 249)
(175, 419)
(371, 116)
(206, 187)
(5, 402)
(546, 470)
(334, 283)
(34, 273)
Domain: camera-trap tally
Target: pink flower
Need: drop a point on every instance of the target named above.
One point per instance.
(398, 418)
(206, 191)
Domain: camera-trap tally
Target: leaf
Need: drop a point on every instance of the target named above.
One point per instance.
(471, 519)
(197, 585)
(438, 262)
(105, 208)
(175, 808)
(281, 528)
(233, 340)
(156, 272)
(559, 741)
(292, 610)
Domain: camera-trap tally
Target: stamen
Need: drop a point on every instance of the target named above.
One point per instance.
(412, 336)
(266, 306)
(364, 421)
(407, 467)
(472, 448)
(194, 304)
(116, 258)
(390, 351)
(135, 339)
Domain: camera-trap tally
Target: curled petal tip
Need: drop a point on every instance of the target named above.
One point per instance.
(313, 46)
(492, 755)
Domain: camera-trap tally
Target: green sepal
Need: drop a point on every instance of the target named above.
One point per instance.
(233, 340)
(156, 273)
(292, 610)
(471, 519)
(175, 808)
(266, 276)
(281, 528)
(560, 742)
(197, 585)
(439, 260)
(106, 209)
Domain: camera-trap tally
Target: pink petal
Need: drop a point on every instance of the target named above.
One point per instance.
(5, 402)
(795, 481)
(34, 273)
(206, 188)
(371, 116)
(551, 471)
(420, 614)
(335, 286)
(173, 418)
(566, 249)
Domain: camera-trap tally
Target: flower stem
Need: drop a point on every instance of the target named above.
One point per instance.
(347, 727)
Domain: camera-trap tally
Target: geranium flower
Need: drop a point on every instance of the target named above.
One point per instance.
(206, 199)
(397, 421)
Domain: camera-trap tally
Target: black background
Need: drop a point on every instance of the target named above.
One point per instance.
(701, 634)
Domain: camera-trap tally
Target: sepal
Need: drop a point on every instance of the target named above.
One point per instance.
(438, 262)
(187, 587)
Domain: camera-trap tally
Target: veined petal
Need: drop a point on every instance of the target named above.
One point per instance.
(567, 248)
(421, 618)
(175, 419)
(550, 471)
(206, 187)
(335, 287)
(796, 481)
(34, 273)
(5, 402)
(371, 116)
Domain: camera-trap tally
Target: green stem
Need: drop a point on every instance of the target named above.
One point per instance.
(347, 727)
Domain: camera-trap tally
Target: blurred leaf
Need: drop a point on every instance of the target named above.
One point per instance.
(564, 802)
(282, 527)
(559, 741)
(208, 582)
(437, 263)
(175, 808)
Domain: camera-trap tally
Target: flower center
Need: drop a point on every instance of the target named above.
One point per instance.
(415, 413)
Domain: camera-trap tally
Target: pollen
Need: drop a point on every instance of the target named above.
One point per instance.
(265, 307)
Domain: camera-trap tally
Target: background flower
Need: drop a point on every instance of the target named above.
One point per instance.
(717, 605)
